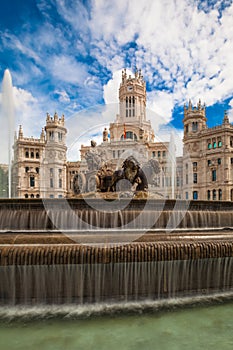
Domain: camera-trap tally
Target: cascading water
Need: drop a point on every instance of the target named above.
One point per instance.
(8, 117)
(128, 281)
(182, 262)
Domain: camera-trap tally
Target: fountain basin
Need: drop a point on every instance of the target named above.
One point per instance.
(40, 263)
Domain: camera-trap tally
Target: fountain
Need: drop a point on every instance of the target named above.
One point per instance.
(112, 248)
(47, 255)
(171, 163)
(8, 113)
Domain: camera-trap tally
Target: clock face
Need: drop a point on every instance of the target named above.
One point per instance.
(130, 88)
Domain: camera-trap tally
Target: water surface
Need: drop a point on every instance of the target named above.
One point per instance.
(130, 326)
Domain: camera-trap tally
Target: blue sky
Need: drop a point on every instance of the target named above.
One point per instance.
(67, 55)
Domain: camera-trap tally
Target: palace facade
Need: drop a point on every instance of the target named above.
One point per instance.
(40, 168)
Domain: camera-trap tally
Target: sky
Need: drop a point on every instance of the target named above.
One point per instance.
(67, 56)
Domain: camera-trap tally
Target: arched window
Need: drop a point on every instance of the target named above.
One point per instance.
(208, 195)
(209, 145)
(27, 154)
(37, 155)
(194, 126)
(219, 143)
(214, 144)
(130, 106)
(32, 195)
(26, 195)
(32, 154)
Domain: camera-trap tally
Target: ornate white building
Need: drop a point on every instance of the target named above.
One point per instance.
(39, 168)
(205, 171)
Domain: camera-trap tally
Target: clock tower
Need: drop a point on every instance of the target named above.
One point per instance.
(131, 121)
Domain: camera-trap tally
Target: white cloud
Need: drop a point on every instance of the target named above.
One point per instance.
(67, 69)
(63, 96)
(26, 113)
(111, 89)
(184, 44)
(184, 52)
(230, 112)
(162, 103)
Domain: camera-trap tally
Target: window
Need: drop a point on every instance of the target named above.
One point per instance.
(51, 182)
(208, 195)
(219, 143)
(194, 164)
(187, 179)
(37, 196)
(60, 172)
(214, 195)
(26, 195)
(51, 135)
(32, 181)
(159, 154)
(60, 196)
(194, 126)
(153, 154)
(51, 196)
(51, 172)
(209, 145)
(37, 170)
(26, 169)
(214, 144)
(130, 106)
(219, 194)
(129, 135)
(231, 160)
(214, 175)
(32, 195)
(195, 195)
(32, 154)
(27, 154)
(219, 161)
(209, 162)
(186, 195)
(187, 128)
(37, 155)
(195, 178)
(60, 183)
(231, 141)
(164, 153)
(59, 136)
(114, 154)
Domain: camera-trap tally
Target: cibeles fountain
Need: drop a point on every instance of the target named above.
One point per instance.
(120, 242)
